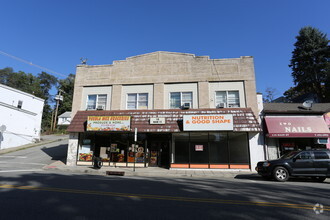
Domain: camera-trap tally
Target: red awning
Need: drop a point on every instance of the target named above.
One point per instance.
(297, 126)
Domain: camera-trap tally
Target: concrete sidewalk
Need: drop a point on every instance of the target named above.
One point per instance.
(151, 171)
(44, 139)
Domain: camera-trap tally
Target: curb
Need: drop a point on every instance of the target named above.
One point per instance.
(103, 172)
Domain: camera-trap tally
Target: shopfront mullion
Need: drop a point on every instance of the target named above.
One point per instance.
(189, 151)
(248, 149)
(145, 152)
(127, 150)
(109, 139)
(228, 149)
(209, 149)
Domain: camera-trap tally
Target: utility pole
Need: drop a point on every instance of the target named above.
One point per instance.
(52, 121)
(58, 98)
(134, 150)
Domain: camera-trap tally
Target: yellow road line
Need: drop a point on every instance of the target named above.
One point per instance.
(159, 197)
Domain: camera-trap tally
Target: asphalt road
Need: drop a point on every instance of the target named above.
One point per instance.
(28, 192)
(33, 159)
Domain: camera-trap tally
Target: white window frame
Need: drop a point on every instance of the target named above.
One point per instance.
(226, 103)
(97, 101)
(137, 101)
(181, 100)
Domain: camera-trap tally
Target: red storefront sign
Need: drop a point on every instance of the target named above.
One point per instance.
(327, 121)
(199, 147)
(297, 126)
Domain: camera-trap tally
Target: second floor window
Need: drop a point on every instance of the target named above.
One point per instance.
(227, 99)
(177, 99)
(137, 101)
(96, 102)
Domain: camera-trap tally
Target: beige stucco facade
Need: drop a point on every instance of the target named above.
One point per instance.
(159, 73)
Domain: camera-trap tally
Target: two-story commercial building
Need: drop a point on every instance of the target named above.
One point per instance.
(167, 109)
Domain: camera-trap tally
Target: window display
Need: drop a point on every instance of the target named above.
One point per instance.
(85, 152)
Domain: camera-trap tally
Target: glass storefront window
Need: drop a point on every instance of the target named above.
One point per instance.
(210, 148)
(199, 150)
(238, 148)
(181, 148)
(118, 147)
(187, 148)
(139, 148)
(85, 150)
(218, 147)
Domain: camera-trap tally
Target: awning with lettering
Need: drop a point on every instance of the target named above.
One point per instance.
(297, 126)
(170, 120)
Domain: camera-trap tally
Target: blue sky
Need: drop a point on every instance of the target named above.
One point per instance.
(56, 34)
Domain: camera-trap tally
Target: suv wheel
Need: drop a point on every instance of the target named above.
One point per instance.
(281, 174)
(319, 178)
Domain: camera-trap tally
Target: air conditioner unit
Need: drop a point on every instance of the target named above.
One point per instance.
(186, 105)
(321, 141)
(221, 105)
(100, 107)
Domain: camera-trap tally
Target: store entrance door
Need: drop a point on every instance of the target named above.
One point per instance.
(158, 147)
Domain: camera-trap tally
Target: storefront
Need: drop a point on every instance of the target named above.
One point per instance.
(120, 149)
(207, 139)
(296, 132)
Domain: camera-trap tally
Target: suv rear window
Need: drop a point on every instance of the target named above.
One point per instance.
(319, 155)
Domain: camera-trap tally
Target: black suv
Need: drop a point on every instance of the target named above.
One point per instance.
(307, 163)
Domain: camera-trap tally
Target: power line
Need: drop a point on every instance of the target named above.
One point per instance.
(32, 64)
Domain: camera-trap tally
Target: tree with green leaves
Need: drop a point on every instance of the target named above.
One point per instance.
(47, 81)
(67, 86)
(310, 64)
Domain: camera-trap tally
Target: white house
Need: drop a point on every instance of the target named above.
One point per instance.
(20, 117)
(64, 119)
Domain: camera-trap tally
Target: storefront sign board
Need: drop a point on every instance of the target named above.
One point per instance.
(327, 121)
(157, 121)
(108, 123)
(216, 122)
(199, 147)
(297, 126)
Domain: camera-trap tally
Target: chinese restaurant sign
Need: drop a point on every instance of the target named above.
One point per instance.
(108, 123)
(208, 122)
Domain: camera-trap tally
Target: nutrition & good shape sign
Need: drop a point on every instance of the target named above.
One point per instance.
(208, 122)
